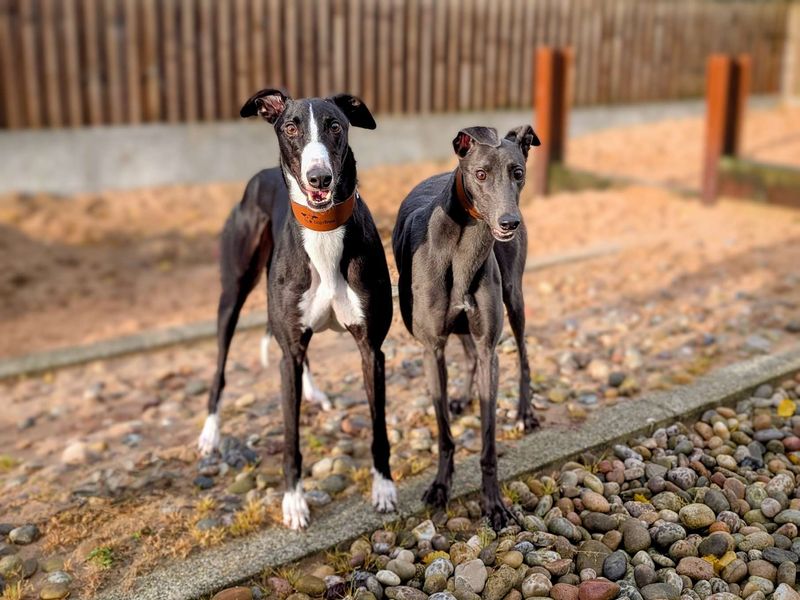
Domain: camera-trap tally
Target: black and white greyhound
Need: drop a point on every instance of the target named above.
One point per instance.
(326, 269)
(454, 279)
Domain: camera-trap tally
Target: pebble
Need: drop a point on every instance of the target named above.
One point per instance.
(235, 593)
(660, 591)
(26, 534)
(598, 589)
(564, 591)
(473, 573)
(695, 568)
(697, 516)
(404, 592)
(54, 591)
(10, 565)
(499, 583)
(785, 592)
(387, 577)
(615, 565)
(314, 586)
(424, 531)
(404, 569)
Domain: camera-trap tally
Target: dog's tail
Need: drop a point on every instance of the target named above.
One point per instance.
(265, 340)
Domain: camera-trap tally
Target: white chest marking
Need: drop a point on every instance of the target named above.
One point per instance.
(329, 302)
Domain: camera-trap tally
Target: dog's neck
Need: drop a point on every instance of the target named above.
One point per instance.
(460, 239)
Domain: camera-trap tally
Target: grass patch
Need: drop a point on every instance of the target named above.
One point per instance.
(15, 591)
(7, 463)
(102, 557)
(252, 516)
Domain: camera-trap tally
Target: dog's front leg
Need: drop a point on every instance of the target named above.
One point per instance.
(436, 373)
(384, 493)
(492, 504)
(295, 507)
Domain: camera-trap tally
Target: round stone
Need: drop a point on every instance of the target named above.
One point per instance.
(387, 577)
(473, 573)
(697, 516)
(536, 585)
(695, 568)
(615, 565)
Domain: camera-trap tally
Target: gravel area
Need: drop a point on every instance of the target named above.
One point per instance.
(708, 509)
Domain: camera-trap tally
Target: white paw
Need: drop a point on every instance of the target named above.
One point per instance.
(384, 493)
(295, 509)
(265, 340)
(313, 394)
(209, 438)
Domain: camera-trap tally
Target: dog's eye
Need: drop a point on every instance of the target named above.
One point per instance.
(290, 129)
(335, 127)
(480, 174)
(519, 174)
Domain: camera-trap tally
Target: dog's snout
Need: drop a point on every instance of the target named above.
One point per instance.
(509, 222)
(319, 177)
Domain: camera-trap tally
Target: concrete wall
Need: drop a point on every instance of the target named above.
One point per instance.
(71, 161)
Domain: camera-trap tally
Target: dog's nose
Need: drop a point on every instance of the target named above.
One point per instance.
(319, 178)
(509, 222)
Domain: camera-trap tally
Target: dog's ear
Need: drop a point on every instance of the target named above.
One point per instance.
(269, 104)
(355, 110)
(469, 136)
(525, 137)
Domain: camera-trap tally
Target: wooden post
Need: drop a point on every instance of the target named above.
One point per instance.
(790, 81)
(727, 85)
(552, 99)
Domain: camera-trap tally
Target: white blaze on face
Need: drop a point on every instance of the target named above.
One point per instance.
(314, 154)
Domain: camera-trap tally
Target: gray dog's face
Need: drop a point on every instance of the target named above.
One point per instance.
(313, 138)
(494, 173)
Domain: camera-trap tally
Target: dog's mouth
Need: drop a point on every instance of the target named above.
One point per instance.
(503, 236)
(319, 200)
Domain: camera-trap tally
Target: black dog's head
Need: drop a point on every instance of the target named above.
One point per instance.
(312, 135)
(494, 173)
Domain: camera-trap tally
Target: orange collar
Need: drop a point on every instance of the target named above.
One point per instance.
(463, 199)
(336, 216)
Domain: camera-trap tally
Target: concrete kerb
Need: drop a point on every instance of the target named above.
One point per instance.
(349, 519)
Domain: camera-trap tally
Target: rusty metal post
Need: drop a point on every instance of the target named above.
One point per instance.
(552, 99)
(727, 86)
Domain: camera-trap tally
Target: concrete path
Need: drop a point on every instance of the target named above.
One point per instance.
(70, 161)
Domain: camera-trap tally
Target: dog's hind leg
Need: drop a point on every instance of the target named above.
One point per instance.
(515, 306)
(436, 373)
(459, 405)
(244, 247)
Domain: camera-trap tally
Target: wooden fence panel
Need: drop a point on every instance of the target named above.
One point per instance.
(95, 62)
(190, 93)
(368, 54)
(11, 103)
(170, 57)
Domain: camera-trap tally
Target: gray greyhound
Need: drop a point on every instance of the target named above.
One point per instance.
(451, 282)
